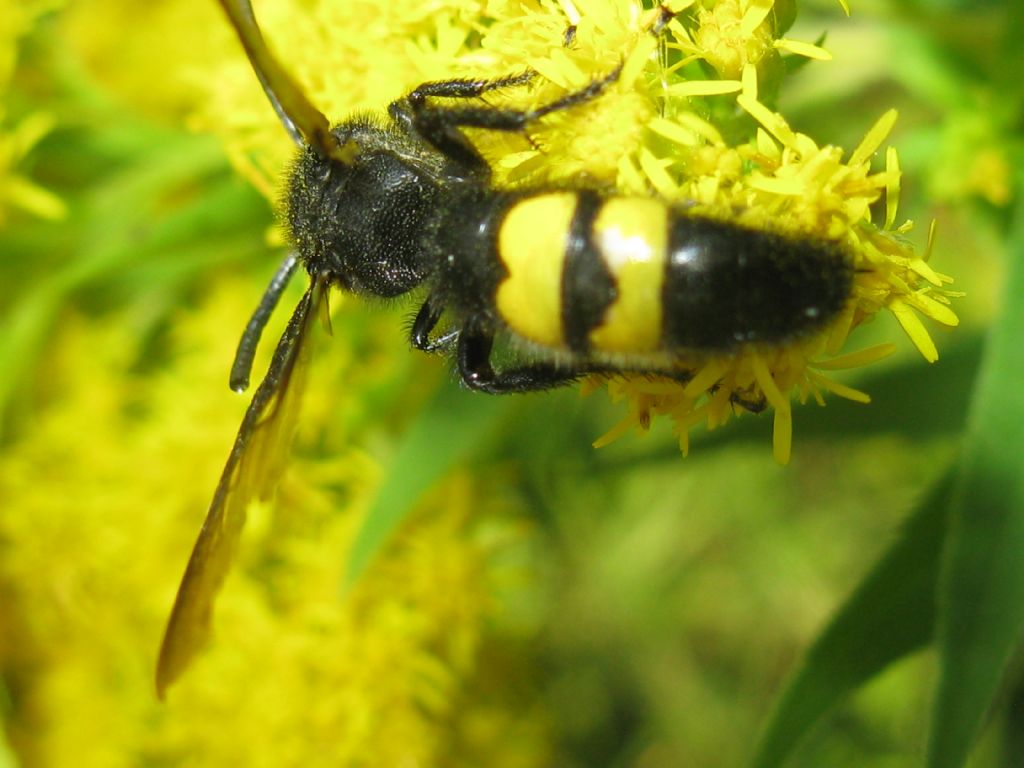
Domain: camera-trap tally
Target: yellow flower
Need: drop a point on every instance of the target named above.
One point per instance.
(793, 183)
(101, 502)
(730, 36)
(150, 55)
(707, 139)
(17, 17)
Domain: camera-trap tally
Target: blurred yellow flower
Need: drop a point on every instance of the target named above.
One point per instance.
(17, 18)
(102, 500)
(16, 190)
(153, 56)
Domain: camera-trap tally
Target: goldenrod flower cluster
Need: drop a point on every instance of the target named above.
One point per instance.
(103, 497)
(691, 118)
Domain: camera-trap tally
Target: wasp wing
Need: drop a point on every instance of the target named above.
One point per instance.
(252, 470)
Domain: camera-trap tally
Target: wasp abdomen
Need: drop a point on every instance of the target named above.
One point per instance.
(634, 276)
(727, 285)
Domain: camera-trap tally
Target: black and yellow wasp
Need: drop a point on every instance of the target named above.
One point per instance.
(582, 280)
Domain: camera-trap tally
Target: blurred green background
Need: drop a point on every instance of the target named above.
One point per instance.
(659, 606)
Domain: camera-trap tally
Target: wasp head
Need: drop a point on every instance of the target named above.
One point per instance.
(360, 214)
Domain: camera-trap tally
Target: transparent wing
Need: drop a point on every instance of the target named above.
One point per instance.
(252, 471)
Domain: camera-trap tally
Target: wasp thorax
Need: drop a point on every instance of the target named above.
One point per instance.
(362, 221)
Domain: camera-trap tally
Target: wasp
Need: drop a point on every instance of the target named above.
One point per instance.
(583, 280)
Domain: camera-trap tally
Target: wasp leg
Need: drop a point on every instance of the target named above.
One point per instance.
(439, 132)
(242, 366)
(752, 405)
(441, 125)
(473, 356)
(466, 89)
(424, 324)
(432, 117)
(664, 16)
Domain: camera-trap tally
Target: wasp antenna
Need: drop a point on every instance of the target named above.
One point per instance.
(242, 366)
(304, 122)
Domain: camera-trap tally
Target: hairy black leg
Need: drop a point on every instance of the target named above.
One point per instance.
(474, 360)
(242, 366)
(467, 88)
(665, 15)
(499, 119)
(473, 357)
(441, 125)
(744, 400)
(424, 324)
(752, 405)
(447, 138)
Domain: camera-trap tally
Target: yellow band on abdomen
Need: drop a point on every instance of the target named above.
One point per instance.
(531, 245)
(631, 234)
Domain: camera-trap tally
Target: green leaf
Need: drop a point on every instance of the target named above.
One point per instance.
(979, 577)
(891, 614)
(451, 426)
(981, 595)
